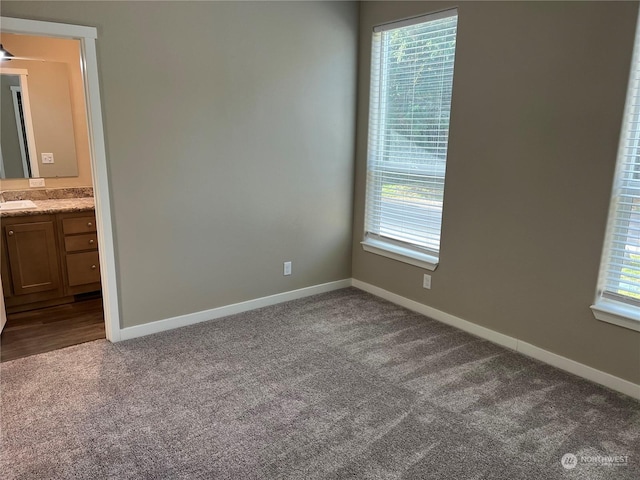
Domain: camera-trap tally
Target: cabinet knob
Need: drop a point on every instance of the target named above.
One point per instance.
(89, 224)
(93, 267)
(10, 232)
(91, 242)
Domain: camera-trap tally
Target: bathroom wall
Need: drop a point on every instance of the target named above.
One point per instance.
(65, 52)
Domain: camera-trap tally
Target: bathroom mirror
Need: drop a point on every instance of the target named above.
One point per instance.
(37, 135)
(16, 135)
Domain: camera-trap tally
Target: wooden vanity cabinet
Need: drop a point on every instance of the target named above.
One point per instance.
(46, 259)
(79, 252)
(31, 269)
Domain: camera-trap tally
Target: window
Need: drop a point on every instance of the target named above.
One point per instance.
(411, 84)
(618, 295)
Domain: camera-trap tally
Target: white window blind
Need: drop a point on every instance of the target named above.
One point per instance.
(411, 83)
(618, 294)
(620, 269)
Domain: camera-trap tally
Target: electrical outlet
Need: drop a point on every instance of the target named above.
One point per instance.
(426, 281)
(47, 158)
(287, 268)
(36, 182)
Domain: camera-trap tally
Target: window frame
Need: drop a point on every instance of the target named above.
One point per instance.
(612, 307)
(413, 254)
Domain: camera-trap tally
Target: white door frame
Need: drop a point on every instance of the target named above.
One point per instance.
(3, 313)
(15, 91)
(89, 64)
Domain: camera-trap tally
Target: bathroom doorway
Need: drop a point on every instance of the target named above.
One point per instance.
(86, 305)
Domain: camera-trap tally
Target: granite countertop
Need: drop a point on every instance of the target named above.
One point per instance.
(47, 207)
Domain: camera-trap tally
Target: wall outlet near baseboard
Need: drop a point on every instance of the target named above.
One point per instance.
(287, 268)
(426, 281)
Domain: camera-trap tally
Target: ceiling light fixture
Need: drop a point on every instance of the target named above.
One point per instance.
(4, 54)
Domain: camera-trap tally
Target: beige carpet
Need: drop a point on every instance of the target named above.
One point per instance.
(340, 385)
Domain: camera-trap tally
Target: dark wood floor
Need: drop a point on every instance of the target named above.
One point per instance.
(46, 329)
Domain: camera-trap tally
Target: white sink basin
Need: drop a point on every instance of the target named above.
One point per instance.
(17, 205)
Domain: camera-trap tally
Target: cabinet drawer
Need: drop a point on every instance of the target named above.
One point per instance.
(78, 225)
(83, 268)
(77, 243)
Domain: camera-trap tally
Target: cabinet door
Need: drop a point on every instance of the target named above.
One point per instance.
(33, 258)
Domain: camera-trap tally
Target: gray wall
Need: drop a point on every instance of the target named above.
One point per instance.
(538, 97)
(230, 139)
(229, 133)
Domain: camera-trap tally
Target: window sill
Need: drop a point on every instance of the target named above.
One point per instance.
(401, 254)
(617, 313)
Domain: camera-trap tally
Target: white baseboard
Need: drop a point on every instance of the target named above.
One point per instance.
(483, 332)
(558, 361)
(580, 369)
(214, 313)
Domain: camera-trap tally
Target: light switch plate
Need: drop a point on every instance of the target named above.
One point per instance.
(36, 182)
(47, 158)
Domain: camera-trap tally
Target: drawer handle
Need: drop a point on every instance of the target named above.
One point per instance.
(89, 224)
(10, 232)
(91, 242)
(93, 267)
